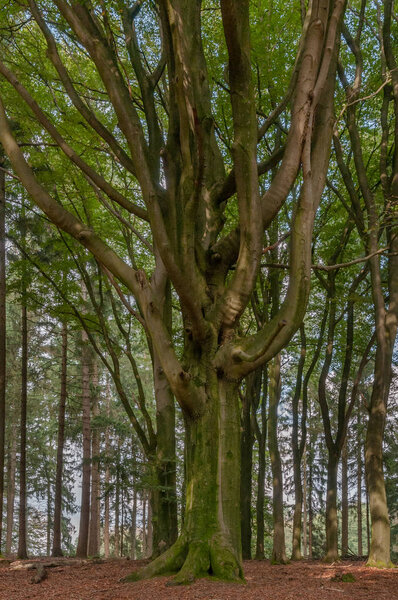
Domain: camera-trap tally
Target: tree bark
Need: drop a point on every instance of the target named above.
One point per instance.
(247, 440)
(133, 525)
(359, 484)
(298, 449)
(278, 550)
(344, 500)
(210, 538)
(107, 474)
(22, 549)
(57, 536)
(2, 339)
(11, 469)
(94, 527)
(332, 551)
(81, 550)
(164, 496)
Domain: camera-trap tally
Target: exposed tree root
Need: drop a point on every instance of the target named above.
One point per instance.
(190, 560)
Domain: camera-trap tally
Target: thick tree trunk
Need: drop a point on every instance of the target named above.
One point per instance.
(11, 470)
(278, 549)
(164, 496)
(22, 551)
(344, 500)
(94, 528)
(57, 542)
(210, 541)
(81, 550)
(332, 552)
(2, 340)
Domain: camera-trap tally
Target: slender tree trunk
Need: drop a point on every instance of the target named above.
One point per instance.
(144, 534)
(133, 525)
(261, 435)
(22, 551)
(379, 554)
(247, 439)
(298, 449)
(310, 487)
(11, 470)
(305, 509)
(122, 523)
(107, 474)
(82, 543)
(117, 509)
(332, 552)
(49, 498)
(260, 494)
(278, 549)
(164, 496)
(94, 529)
(2, 340)
(149, 530)
(57, 539)
(359, 485)
(344, 500)
(367, 522)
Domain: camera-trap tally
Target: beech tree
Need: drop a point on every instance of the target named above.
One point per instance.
(163, 137)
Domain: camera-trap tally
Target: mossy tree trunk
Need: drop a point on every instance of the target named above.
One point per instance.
(210, 540)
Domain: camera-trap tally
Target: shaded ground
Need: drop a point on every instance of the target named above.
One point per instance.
(296, 581)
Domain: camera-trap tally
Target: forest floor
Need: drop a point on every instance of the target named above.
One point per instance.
(99, 580)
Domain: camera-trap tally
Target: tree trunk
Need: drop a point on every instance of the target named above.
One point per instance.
(2, 340)
(359, 485)
(310, 487)
(94, 528)
(298, 449)
(344, 500)
(22, 551)
(117, 508)
(278, 549)
(81, 550)
(107, 474)
(133, 526)
(332, 552)
(305, 511)
(149, 530)
(49, 498)
(210, 538)
(379, 554)
(261, 435)
(247, 439)
(164, 496)
(57, 539)
(11, 470)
